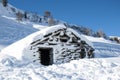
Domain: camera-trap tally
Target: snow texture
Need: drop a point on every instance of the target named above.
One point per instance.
(106, 65)
(12, 30)
(22, 49)
(104, 48)
(84, 69)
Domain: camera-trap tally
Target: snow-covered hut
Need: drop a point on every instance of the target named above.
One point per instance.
(52, 45)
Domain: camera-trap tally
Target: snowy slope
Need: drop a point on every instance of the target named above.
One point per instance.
(84, 69)
(23, 52)
(104, 48)
(11, 68)
(12, 30)
(7, 10)
(20, 52)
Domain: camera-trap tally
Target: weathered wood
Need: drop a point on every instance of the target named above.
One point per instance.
(47, 35)
(56, 33)
(35, 41)
(52, 43)
(71, 46)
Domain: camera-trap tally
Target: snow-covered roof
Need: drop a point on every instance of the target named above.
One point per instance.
(82, 37)
(17, 49)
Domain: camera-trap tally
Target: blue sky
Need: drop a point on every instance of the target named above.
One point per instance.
(94, 14)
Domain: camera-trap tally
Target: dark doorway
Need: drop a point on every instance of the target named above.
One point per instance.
(46, 56)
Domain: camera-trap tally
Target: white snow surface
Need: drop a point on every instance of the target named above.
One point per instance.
(83, 69)
(19, 49)
(12, 68)
(12, 30)
(6, 10)
(104, 48)
(105, 65)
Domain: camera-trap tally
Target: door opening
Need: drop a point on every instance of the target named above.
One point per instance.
(46, 56)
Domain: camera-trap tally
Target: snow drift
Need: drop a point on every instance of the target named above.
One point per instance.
(84, 69)
(12, 68)
(20, 49)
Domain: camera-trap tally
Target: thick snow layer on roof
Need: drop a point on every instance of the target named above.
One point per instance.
(47, 31)
(82, 37)
(17, 48)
